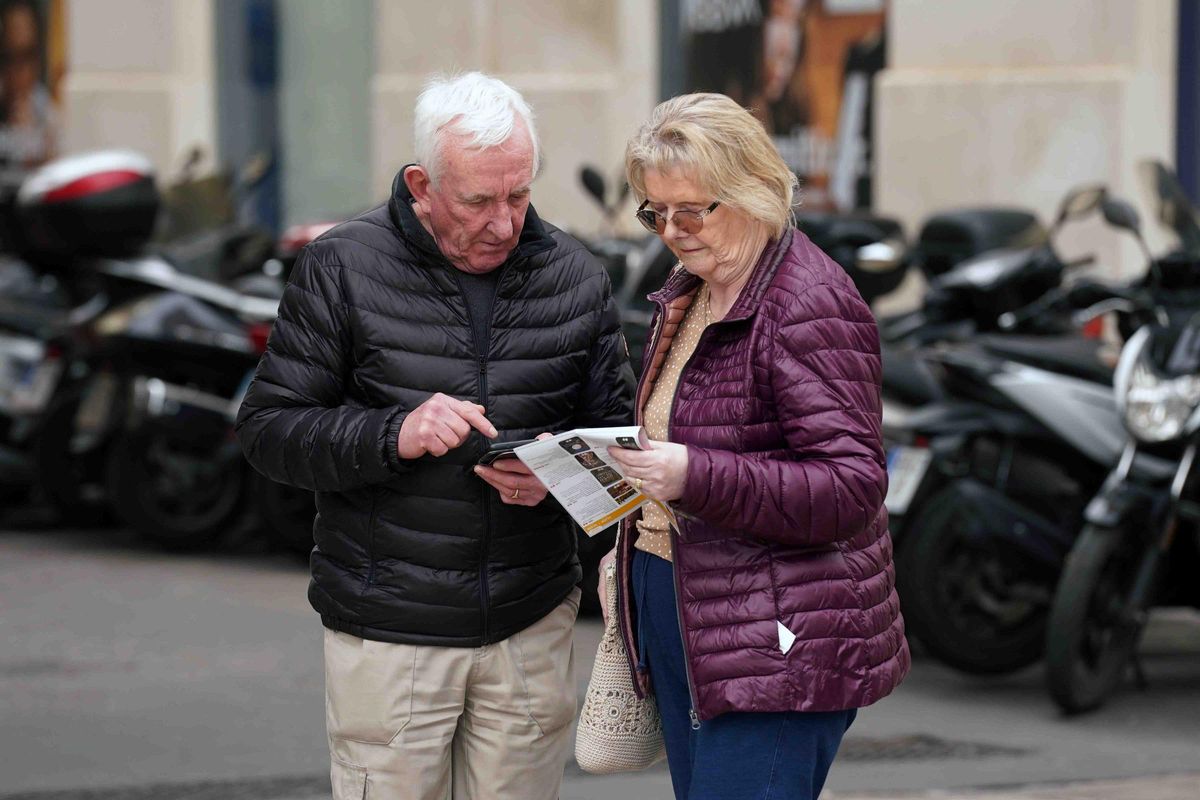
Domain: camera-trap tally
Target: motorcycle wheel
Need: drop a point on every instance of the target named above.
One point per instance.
(1093, 632)
(175, 495)
(287, 515)
(69, 465)
(973, 608)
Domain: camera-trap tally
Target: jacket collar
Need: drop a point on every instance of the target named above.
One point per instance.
(534, 237)
(681, 282)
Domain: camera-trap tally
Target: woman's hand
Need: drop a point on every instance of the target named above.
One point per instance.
(602, 586)
(660, 472)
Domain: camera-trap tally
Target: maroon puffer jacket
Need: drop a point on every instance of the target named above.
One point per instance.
(783, 531)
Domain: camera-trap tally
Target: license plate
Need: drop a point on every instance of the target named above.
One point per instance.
(906, 467)
(27, 378)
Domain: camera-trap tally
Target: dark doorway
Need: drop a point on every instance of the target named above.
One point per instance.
(1187, 141)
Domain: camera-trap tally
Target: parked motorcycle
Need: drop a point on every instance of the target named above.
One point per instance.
(204, 228)
(1140, 544)
(146, 345)
(996, 472)
(994, 478)
(980, 293)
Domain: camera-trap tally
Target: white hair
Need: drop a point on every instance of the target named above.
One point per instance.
(476, 106)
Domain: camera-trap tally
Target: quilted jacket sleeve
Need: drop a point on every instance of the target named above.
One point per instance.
(295, 424)
(608, 393)
(824, 379)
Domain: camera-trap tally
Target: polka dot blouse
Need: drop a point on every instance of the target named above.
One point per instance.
(654, 526)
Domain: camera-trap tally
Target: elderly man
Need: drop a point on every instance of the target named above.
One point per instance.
(409, 338)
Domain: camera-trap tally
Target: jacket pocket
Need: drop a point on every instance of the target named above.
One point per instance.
(368, 687)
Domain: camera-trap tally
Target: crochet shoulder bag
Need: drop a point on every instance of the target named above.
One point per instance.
(618, 731)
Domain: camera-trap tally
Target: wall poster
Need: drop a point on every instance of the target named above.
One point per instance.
(805, 68)
(32, 65)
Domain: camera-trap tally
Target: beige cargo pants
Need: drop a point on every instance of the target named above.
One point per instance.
(432, 723)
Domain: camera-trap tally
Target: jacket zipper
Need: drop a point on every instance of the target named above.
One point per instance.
(674, 534)
(482, 349)
(484, 590)
(687, 665)
(631, 651)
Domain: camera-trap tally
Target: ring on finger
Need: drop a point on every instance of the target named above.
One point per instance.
(637, 484)
(516, 495)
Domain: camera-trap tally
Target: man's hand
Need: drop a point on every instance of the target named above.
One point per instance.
(439, 425)
(513, 480)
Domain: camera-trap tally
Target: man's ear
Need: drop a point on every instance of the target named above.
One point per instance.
(419, 183)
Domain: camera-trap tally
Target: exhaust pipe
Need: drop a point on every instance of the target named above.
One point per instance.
(154, 398)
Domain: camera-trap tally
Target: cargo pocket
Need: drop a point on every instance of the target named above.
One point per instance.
(547, 666)
(368, 687)
(349, 782)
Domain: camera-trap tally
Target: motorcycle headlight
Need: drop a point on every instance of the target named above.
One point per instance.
(1158, 409)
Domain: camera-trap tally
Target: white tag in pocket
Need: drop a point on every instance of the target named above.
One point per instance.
(786, 638)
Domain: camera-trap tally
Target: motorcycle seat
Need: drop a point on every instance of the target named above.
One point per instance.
(1076, 356)
(906, 376)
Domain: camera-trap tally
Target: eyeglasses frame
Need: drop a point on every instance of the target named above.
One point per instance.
(653, 227)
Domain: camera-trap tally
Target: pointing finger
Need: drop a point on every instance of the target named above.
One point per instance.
(473, 414)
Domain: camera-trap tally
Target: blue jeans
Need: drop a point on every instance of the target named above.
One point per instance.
(764, 756)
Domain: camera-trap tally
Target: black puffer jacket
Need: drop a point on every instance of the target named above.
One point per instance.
(372, 324)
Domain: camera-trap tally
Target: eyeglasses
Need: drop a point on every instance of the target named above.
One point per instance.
(687, 221)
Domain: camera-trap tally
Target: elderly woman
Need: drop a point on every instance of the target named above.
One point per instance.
(769, 615)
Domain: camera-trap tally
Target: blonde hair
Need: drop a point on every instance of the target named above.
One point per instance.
(722, 147)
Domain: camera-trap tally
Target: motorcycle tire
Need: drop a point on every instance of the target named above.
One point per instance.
(1091, 636)
(943, 582)
(287, 515)
(177, 514)
(69, 472)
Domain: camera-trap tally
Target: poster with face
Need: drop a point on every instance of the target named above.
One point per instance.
(805, 68)
(31, 70)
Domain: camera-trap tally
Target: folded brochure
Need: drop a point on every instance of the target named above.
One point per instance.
(586, 481)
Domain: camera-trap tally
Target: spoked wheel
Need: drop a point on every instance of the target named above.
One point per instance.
(974, 606)
(1093, 629)
(181, 493)
(287, 514)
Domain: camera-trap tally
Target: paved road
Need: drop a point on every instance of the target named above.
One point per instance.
(127, 674)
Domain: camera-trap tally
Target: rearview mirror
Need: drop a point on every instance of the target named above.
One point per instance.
(255, 169)
(1081, 201)
(1170, 202)
(1121, 214)
(594, 183)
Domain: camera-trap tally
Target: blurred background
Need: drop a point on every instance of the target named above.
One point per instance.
(963, 102)
(1012, 186)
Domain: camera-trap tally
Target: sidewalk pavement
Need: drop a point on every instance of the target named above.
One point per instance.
(1155, 787)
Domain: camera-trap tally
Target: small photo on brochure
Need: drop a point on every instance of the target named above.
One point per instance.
(621, 491)
(591, 460)
(606, 475)
(573, 445)
(628, 443)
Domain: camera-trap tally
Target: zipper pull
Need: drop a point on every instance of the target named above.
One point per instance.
(695, 719)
